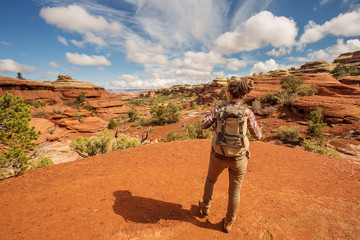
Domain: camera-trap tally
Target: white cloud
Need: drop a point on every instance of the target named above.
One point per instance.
(345, 24)
(181, 23)
(143, 52)
(54, 64)
(62, 40)
(280, 52)
(4, 43)
(9, 65)
(199, 61)
(85, 60)
(128, 78)
(234, 64)
(74, 18)
(332, 52)
(219, 74)
(257, 32)
(152, 83)
(264, 67)
(79, 44)
(191, 73)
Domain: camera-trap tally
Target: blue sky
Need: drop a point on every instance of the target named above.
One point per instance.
(121, 44)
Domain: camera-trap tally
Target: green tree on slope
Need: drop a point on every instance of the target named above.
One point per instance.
(17, 139)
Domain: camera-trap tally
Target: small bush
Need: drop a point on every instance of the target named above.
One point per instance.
(194, 131)
(269, 110)
(78, 116)
(42, 162)
(291, 83)
(112, 124)
(57, 111)
(90, 109)
(41, 114)
(256, 105)
(81, 98)
(174, 136)
(140, 122)
(125, 143)
(194, 106)
(73, 104)
(315, 124)
(271, 98)
(306, 91)
(100, 144)
(288, 135)
(317, 146)
(133, 115)
(223, 91)
(162, 114)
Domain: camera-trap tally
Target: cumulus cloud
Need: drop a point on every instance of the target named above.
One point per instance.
(264, 67)
(344, 25)
(55, 73)
(332, 52)
(257, 32)
(280, 52)
(199, 61)
(234, 64)
(85, 60)
(128, 78)
(54, 64)
(191, 73)
(74, 18)
(9, 65)
(144, 52)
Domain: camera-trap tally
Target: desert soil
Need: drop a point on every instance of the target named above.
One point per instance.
(151, 192)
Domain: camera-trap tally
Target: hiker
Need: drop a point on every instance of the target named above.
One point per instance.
(230, 147)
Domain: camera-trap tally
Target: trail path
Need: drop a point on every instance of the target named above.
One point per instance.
(151, 192)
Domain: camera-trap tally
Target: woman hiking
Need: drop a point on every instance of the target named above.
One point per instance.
(230, 147)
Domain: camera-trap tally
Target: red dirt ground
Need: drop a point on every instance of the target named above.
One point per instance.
(151, 192)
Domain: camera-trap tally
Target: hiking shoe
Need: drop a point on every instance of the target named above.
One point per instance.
(226, 226)
(204, 209)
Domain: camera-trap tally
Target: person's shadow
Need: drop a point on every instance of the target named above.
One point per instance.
(146, 210)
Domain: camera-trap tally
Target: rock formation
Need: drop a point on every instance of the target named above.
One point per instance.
(317, 67)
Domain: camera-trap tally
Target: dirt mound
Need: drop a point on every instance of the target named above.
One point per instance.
(151, 192)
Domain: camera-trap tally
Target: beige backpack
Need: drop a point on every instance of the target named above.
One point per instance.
(231, 139)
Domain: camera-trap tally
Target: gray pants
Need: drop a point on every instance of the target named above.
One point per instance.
(237, 169)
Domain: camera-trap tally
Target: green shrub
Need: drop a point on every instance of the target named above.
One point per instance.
(288, 134)
(194, 131)
(317, 146)
(125, 143)
(90, 109)
(270, 98)
(315, 124)
(112, 124)
(174, 136)
(291, 83)
(133, 115)
(78, 116)
(194, 106)
(162, 114)
(100, 144)
(17, 138)
(73, 104)
(306, 91)
(81, 98)
(140, 122)
(223, 91)
(42, 162)
(57, 111)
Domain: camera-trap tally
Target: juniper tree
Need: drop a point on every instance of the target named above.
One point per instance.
(17, 138)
